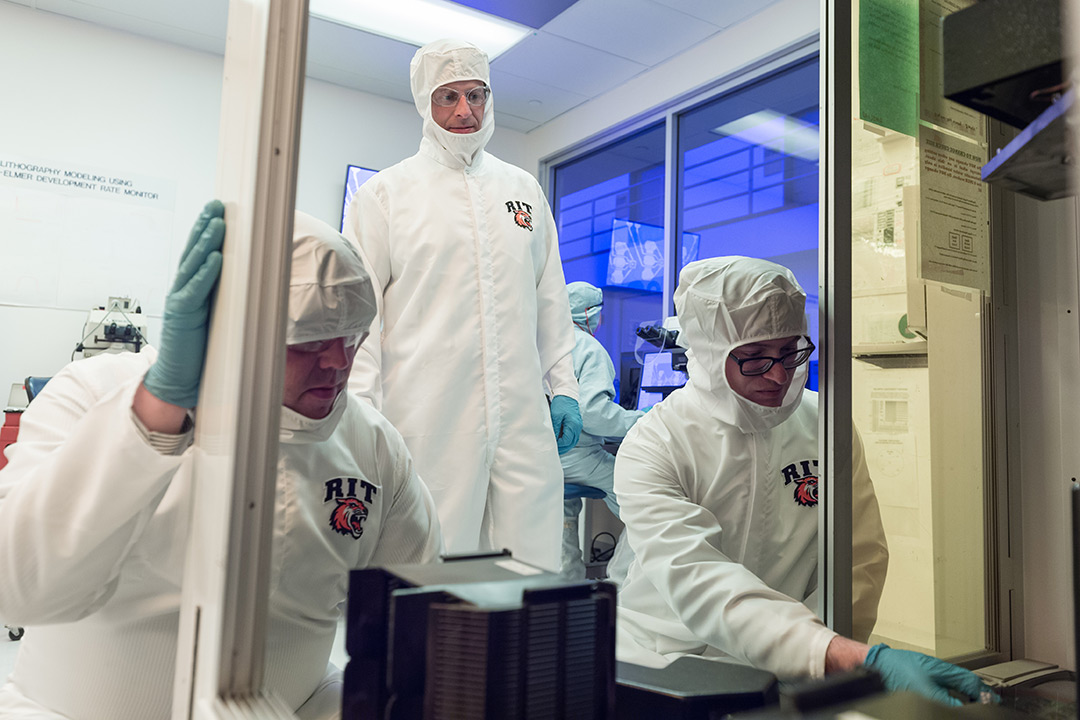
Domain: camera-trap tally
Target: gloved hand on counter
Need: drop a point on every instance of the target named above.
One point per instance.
(926, 675)
(566, 422)
(175, 375)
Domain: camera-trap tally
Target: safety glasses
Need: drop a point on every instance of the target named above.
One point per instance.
(761, 364)
(449, 97)
(318, 346)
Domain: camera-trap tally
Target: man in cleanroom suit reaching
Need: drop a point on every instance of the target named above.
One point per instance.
(718, 490)
(472, 320)
(589, 463)
(97, 499)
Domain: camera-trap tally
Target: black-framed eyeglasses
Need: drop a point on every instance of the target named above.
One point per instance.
(449, 97)
(762, 364)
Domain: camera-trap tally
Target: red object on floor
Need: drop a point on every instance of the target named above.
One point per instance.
(8, 432)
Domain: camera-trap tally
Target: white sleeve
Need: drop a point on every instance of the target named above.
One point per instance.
(367, 225)
(554, 328)
(80, 487)
(677, 543)
(869, 550)
(600, 415)
(411, 531)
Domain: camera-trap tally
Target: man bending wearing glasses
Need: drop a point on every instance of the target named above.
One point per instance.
(718, 490)
(472, 321)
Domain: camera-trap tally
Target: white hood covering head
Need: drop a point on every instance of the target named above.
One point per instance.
(586, 301)
(446, 61)
(726, 302)
(330, 292)
(330, 296)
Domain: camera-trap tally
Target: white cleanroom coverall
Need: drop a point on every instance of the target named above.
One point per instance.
(474, 320)
(719, 496)
(95, 519)
(588, 463)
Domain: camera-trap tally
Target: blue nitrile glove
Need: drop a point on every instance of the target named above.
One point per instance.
(174, 377)
(926, 675)
(566, 422)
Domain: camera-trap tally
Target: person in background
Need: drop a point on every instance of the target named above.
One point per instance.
(589, 463)
(97, 499)
(718, 491)
(472, 318)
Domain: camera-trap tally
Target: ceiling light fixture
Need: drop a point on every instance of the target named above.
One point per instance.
(770, 129)
(418, 22)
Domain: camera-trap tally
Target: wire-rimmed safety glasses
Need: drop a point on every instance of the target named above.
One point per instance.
(318, 346)
(449, 97)
(761, 364)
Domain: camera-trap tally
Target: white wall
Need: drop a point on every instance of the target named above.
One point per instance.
(76, 93)
(1048, 303)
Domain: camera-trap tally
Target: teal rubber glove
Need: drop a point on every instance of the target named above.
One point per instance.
(926, 675)
(175, 375)
(566, 422)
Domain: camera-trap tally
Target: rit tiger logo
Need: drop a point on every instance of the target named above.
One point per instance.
(804, 475)
(522, 213)
(350, 512)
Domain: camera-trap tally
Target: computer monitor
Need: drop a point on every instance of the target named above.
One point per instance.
(658, 378)
(355, 176)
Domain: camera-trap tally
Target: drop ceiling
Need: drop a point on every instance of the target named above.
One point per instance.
(578, 50)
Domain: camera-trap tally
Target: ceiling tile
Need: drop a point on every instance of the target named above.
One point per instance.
(529, 99)
(722, 14)
(512, 122)
(533, 13)
(198, 24)
(638, 30)
(359, 81)
(565, 64)
(371, 59)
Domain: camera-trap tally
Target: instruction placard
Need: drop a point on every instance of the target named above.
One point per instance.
(955, 239)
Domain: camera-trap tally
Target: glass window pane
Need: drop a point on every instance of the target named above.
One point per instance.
(918, 370)
(748, 178)
(609, 207)
(917, 401)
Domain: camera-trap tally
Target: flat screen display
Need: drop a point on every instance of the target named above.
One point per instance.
(657, 379)
(355, 176)
(657, 372)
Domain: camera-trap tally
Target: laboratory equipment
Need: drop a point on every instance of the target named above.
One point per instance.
(659, 376)
(477, 637)
(1016, 81)
(662, 370)
(119, 326)
(487, 636)
(692, 688)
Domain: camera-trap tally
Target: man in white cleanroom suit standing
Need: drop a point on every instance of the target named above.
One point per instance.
(588, 463)
(718, 491)
(474, 318)
(97, 500)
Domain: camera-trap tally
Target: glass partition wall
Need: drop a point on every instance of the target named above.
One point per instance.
(920, 284)
(898, 286)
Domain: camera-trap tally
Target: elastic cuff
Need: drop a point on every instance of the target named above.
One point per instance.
(872, 655)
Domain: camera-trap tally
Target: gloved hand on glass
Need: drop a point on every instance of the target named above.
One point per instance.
(566, 422)
(175, 375)
(926, 675)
